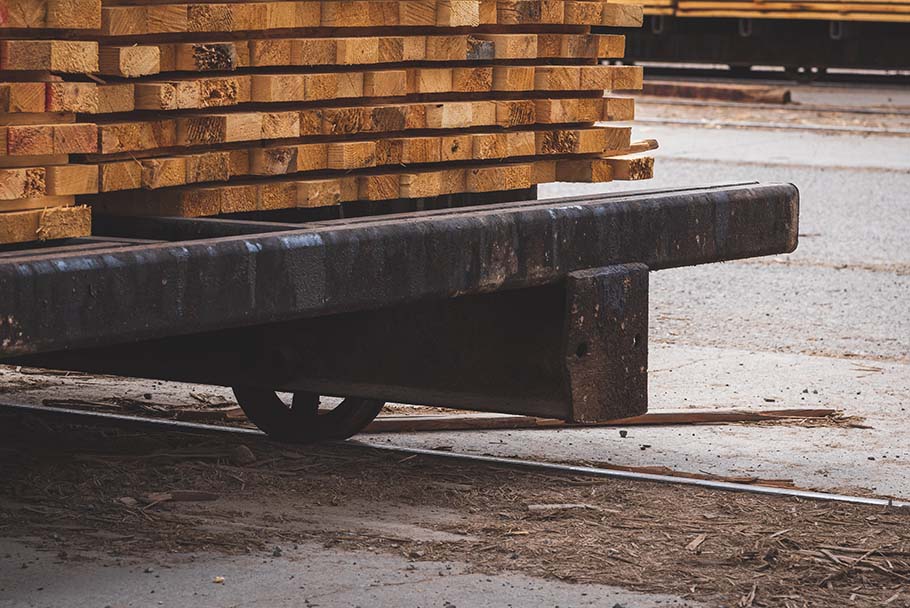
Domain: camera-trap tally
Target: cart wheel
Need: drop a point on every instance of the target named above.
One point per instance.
(302, 422)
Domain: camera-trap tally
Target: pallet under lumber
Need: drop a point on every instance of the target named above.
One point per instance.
(144, 107)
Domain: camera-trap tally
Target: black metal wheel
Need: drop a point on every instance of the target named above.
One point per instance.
(302, 422)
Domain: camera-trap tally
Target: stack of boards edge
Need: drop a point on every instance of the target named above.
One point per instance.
(152, 107)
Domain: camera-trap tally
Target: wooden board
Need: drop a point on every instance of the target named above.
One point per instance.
(44, 224)
(51, 14)
(890, 17)
(416, 423)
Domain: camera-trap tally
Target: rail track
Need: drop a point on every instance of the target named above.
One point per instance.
(86, 418)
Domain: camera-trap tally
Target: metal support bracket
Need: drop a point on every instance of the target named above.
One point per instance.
(536, 308)
(606, 342)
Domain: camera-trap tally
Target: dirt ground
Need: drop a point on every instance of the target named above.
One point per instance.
(76, 491)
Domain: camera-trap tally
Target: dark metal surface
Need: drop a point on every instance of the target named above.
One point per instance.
(780, 42)
(127, 294)
(57, 247)
(606, 343)
(189, 229)
(184, 228)
(303, 421)
(574, 350)
(501, 309)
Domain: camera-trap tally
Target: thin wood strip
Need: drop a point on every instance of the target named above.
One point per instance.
(481, 422)
(812, 15)
(840, 7)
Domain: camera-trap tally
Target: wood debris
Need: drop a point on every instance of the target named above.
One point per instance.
(696, 542)
(770, 551)
(748, 93)
(463, 422)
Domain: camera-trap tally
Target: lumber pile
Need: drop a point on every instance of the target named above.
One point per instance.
(153, 107)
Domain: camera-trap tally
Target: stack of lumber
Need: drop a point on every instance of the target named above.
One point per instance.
(653, 7)
(828, 10)
(154, 107)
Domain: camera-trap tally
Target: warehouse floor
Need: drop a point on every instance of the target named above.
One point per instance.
(824, 327)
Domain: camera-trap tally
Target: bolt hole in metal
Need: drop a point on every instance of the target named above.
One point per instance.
(581, 350)
(636, 340)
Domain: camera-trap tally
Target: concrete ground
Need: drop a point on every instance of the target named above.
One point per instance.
(303, 576)
(828, 326)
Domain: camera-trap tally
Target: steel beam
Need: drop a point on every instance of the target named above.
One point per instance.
(606, 335)
(575, 350)
(133, 293)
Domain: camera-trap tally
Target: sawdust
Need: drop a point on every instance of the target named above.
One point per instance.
(79, 489)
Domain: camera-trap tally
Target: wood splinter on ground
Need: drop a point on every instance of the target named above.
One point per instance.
(628, 534)
(748, 93)
(466, 422)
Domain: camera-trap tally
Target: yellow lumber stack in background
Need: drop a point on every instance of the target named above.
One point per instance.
(825, 10)
(148, 107)
(653, 7)
(884, 11)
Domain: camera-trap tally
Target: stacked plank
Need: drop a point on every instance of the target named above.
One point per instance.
(147, 107)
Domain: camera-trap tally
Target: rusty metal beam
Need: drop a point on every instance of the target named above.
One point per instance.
(575, 350)
(127, 294)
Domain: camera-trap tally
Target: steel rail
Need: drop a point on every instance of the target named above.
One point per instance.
(726, 486)
(120, 420)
